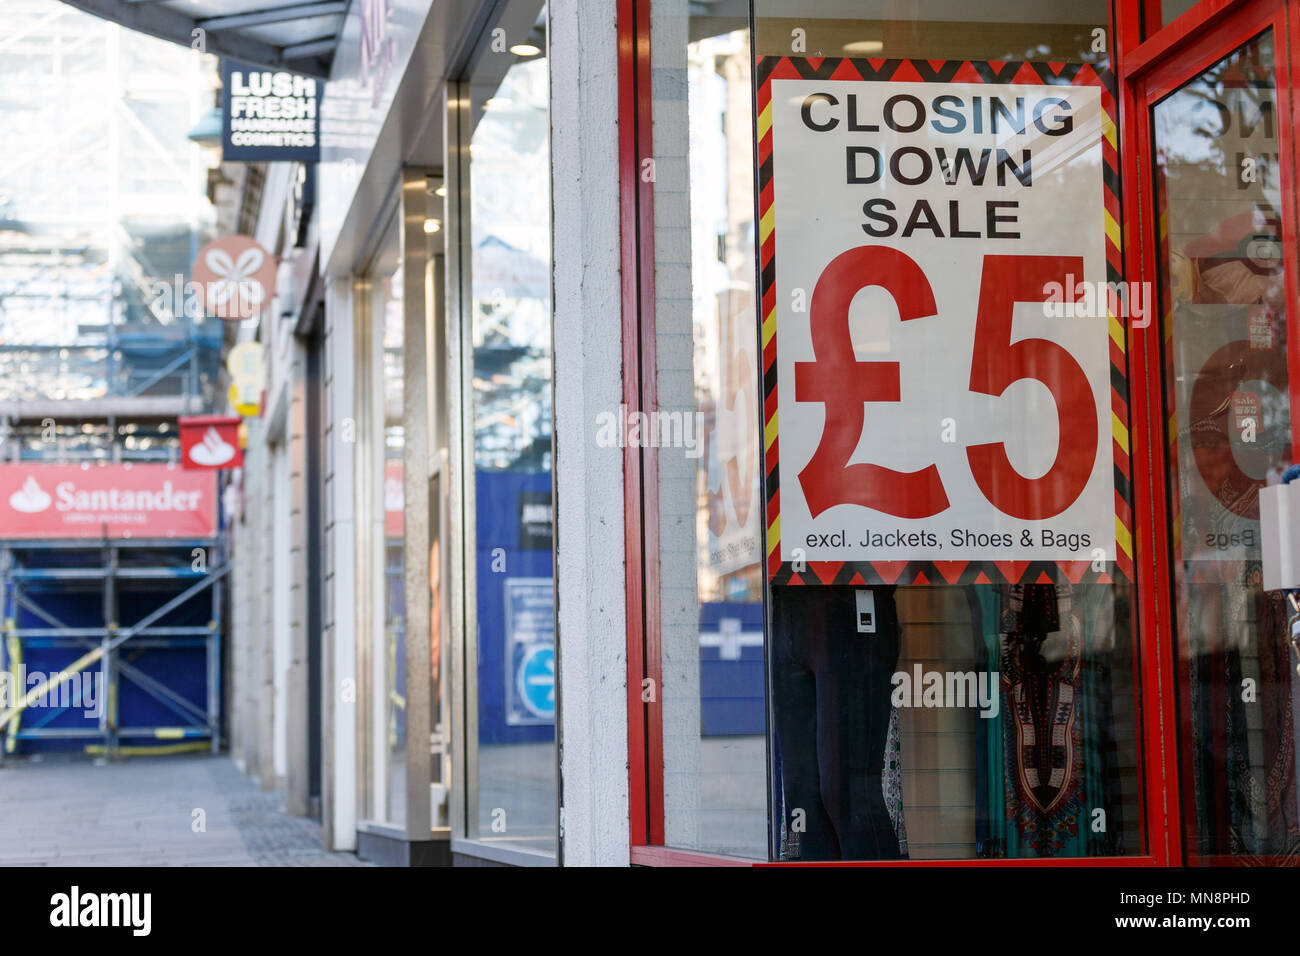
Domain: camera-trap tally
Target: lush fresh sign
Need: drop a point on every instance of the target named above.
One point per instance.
(269, 115)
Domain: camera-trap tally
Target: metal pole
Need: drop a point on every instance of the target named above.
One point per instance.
(214, 655)
(10, 613)
(110, 364)
(108, 672)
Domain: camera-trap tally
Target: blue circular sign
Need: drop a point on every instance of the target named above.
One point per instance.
(537, 681)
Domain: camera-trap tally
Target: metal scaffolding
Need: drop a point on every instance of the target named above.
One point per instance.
(130, 615)
(102, 210)
(103, 207)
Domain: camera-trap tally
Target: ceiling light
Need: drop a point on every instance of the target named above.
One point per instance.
(525, 49)
(864, 47)
(432, 225)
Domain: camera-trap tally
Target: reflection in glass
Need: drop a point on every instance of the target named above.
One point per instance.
(390, 657)
(1229, 417)
(709, 568)
(510, 331)
(1171, 10)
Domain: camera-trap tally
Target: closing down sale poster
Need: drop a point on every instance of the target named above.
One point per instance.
(943, 354)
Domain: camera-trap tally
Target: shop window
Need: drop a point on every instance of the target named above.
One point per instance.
(1221, 209)
(1040, 629)
(706, 433)
(505, 249)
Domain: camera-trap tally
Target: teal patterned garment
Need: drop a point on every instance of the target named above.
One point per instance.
(1046, 781)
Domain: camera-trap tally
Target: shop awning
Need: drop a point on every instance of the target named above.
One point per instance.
(298, 36)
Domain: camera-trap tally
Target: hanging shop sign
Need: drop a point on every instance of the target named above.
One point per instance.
(245, 363)
(942, 322)
(210, 442)
(235, 278)
(536, 528)
(246, 403)
(115, 501)
(269, 115)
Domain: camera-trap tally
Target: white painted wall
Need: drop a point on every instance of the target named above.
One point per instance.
(280, 562)
(590, 571)
(371, 404)
(340, 693)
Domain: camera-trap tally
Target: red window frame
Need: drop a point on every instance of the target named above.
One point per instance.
(1137, 56)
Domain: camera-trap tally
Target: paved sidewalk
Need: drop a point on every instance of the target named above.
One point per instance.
(141, 812)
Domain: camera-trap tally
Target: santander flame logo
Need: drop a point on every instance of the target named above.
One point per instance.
(30, 498)
(212, 451)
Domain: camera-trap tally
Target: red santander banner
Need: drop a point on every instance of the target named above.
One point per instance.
(394, 499)
(117, 501)
(210, 442)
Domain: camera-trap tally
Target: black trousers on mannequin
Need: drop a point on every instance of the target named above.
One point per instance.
(831, 687)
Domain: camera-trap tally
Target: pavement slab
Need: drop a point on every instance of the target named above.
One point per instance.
(141, 811)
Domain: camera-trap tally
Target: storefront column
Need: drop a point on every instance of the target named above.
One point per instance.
(265, 618)
(285, 432)
(415, 472)
(278, 580)
(258, 689)
(589, 556)
(339, 672)
(242, 727)
(298, 789)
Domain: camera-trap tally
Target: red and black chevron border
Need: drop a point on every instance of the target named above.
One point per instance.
(769, 68)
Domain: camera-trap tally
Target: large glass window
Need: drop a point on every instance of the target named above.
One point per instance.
(1228, 413)
(709, 455)
(387, 685)
(861, 763)
(505, 238)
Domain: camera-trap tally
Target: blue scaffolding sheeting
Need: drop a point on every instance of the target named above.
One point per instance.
(148, 613)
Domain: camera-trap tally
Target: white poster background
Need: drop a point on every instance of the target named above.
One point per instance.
(818, 215)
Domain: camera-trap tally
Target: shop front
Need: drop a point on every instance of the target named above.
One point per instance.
(911, 510)
(436, 252)
(750, 431)
(962, 341)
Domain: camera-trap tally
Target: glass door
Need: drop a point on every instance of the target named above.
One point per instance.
(1222, 254)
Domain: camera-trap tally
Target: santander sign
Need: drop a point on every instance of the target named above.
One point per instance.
(118, 501)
